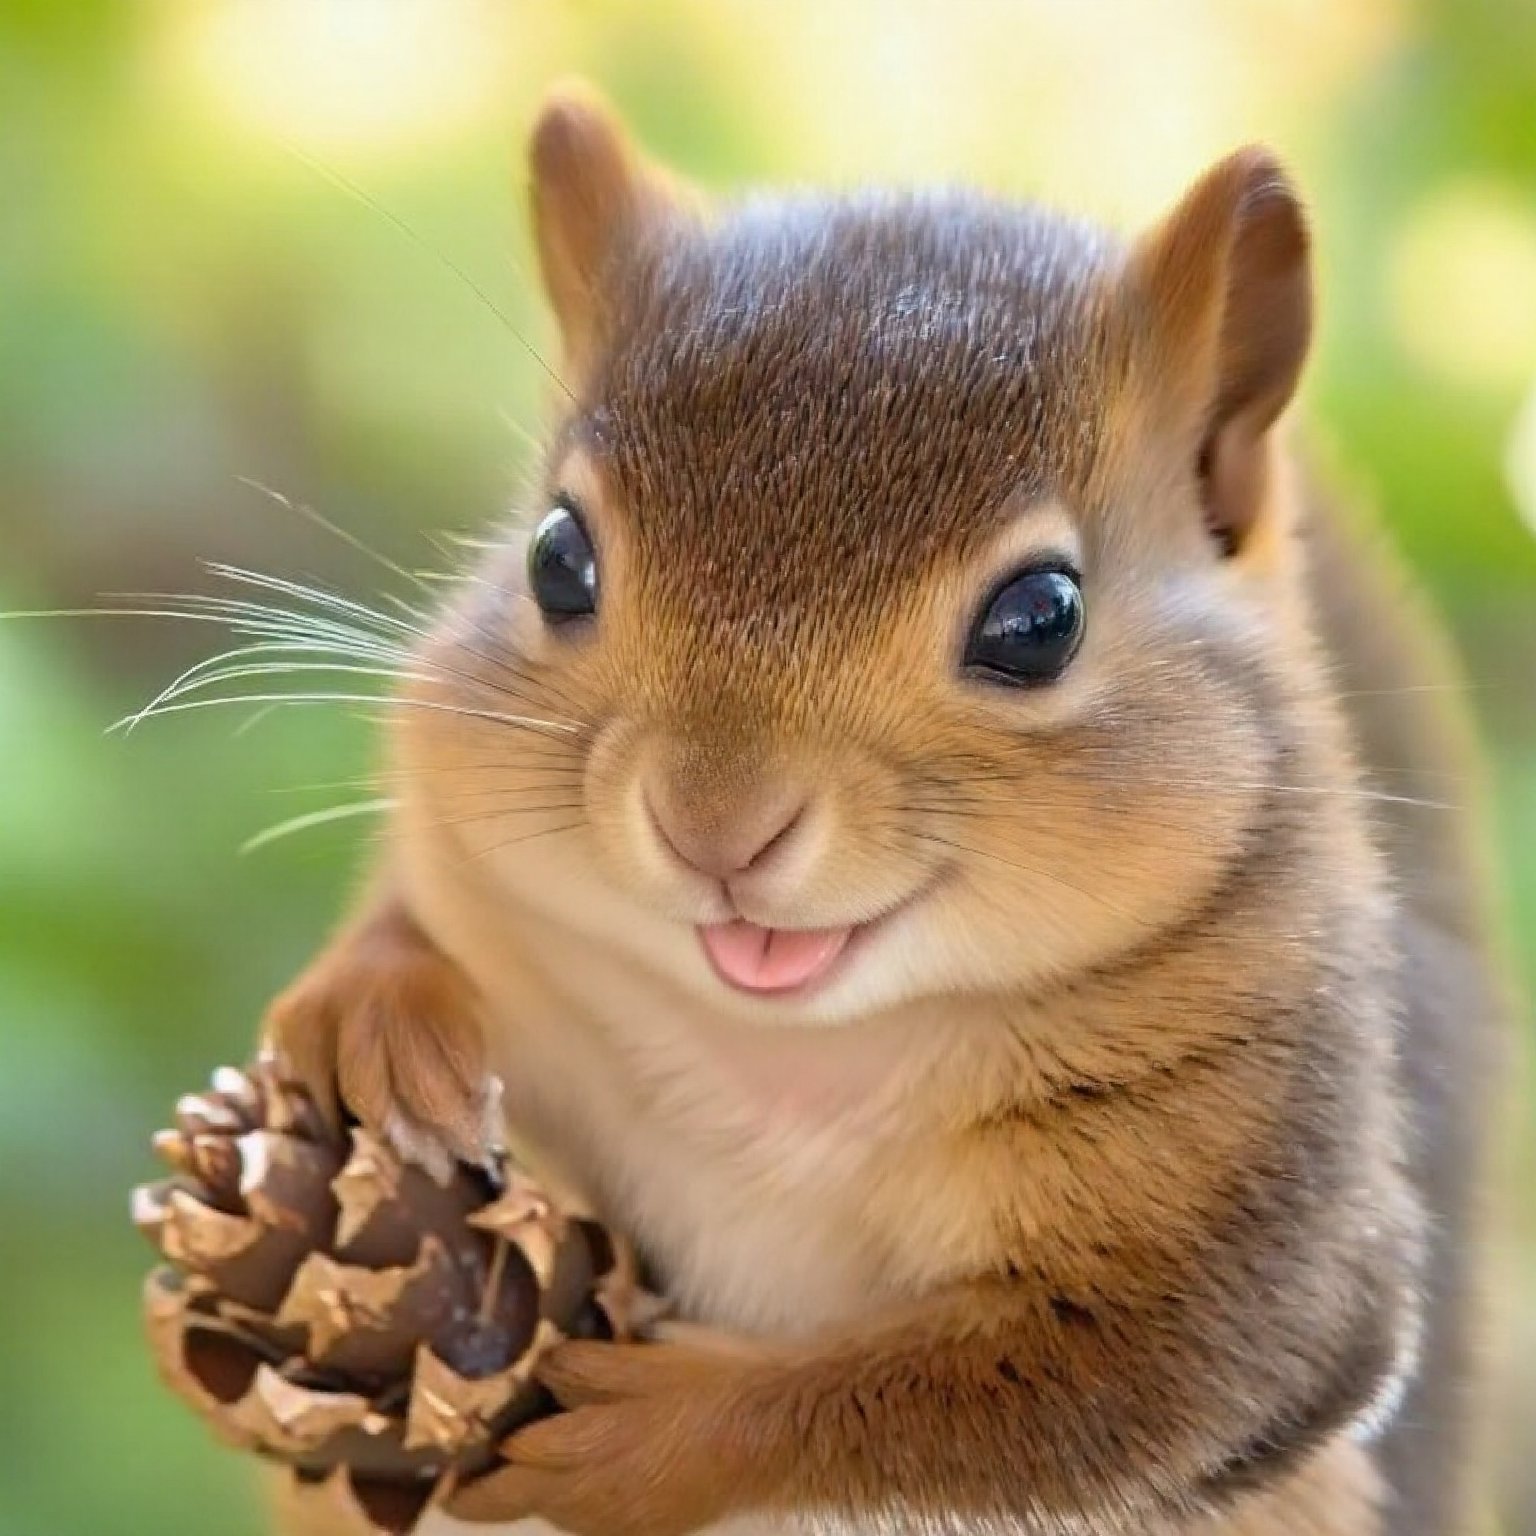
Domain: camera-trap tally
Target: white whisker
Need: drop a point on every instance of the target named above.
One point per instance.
(315, 819)
(313, 515)
(1305, 789)
(319, 596)
(243, 617)
(255, 718)
(161, 704)
(198, 674)
(523, 722)
(352, 189)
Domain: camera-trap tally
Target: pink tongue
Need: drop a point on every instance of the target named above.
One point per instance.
(771, 959)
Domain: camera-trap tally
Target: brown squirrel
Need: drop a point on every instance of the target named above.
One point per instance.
(928, 830)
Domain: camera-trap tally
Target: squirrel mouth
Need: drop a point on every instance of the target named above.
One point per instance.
(752, 958)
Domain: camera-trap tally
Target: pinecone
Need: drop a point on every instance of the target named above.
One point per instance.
(328, 1306)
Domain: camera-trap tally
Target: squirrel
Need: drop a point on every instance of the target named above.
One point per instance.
(928, 831)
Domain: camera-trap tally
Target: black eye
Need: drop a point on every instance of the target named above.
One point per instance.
(562, 569)
(1030, 628)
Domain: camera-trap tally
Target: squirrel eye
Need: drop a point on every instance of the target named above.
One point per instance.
(562, 568)
(1030, 628)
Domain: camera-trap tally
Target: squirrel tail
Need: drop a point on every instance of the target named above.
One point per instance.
(1405, 704)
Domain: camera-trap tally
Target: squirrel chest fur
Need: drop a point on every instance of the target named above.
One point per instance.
(896, 831)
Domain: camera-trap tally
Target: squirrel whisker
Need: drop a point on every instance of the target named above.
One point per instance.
(316, 819)
(521, 722)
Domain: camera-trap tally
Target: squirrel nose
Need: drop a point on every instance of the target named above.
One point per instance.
(723, 843)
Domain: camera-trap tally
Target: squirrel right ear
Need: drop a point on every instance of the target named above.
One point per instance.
(1226, 288)
(593, 198)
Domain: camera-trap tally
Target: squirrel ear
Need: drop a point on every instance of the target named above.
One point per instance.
(1225, 281)
(592, 197)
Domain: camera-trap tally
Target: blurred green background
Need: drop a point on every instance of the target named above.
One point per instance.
(191, 297)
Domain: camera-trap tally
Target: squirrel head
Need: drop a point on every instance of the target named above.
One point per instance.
(910, 578)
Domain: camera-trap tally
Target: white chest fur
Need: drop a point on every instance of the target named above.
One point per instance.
(774, 1175)
(735, 1163)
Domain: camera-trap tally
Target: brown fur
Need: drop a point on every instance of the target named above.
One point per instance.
(1079, 1201)
(381, 1025)
(1402, 696)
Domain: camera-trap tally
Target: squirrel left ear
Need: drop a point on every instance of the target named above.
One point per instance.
(594, 200)
(1225, 287)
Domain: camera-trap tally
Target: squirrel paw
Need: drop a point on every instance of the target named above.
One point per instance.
(436, 1150)
(385, 1030)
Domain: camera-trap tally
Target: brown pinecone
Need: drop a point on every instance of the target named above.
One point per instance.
(328, 1306)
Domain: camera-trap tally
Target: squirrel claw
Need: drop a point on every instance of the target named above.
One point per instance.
(413, 1143)
(475, 1140)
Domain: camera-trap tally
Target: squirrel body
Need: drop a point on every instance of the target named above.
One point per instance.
(1072, 1181)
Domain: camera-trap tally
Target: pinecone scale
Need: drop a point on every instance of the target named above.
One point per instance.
(334, 1309)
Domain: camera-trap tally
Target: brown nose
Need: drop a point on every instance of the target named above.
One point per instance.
(721, 841)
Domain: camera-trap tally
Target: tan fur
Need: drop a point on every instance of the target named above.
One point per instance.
(1338, 1491)
(1075, 1200)
(296, 1514)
